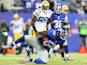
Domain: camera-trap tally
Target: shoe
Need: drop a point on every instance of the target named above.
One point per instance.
(64, 59)
(69, 58)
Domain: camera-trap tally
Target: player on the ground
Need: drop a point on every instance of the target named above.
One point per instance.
(41, 15)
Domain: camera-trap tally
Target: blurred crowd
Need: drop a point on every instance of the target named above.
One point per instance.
(75, 6)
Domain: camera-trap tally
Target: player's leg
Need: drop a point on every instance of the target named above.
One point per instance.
(14, 43)
(62, 51)
(41, 51)
(66, 49)
(26, 45)
(37, 61)
(43, 55)
(41, 59)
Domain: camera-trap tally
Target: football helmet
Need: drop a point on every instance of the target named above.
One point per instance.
(58, 8)
(45, 5)
(65, 8)
(16, 16)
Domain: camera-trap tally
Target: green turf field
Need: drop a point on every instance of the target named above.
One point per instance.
(79, 59)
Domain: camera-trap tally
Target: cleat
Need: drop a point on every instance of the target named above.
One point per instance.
(65, 59)
(69, 58)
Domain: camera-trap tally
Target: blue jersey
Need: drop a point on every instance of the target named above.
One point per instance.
(57, 34)
(58, 19)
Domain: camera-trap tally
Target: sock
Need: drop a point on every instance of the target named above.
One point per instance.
(28, 51)
(51, 50)
(67, 55)
(56, 47)
(62, 54)
(66, 49)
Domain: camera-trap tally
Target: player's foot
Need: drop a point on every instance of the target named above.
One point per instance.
(25, 60)
(3, 47)
(64, 59)
(6, 46)
(69, 58)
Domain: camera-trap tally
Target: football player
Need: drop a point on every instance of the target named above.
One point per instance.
(41, 15)
(66, 25)
(57, 34)
(61, 11)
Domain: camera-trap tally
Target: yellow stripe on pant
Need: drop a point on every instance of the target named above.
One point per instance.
(17, 35)
(33, 33)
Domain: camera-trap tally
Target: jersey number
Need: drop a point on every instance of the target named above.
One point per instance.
(42, 19)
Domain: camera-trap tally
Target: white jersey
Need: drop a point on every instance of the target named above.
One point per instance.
(17, 26)
(42, 17)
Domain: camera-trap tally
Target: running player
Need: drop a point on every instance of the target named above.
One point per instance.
(57, 34)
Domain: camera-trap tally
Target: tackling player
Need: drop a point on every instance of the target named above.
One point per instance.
(41, 16)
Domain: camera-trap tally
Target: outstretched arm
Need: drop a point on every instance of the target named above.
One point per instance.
(33, 22)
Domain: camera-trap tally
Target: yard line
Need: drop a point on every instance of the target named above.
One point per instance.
(11, 64)
(10, 58)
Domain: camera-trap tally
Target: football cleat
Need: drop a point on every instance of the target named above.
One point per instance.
(64, 59)
(69, 58)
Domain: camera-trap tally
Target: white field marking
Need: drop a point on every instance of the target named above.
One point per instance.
(12, 64)
(11, 58)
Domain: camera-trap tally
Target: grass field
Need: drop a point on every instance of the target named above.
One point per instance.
(79, 59)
